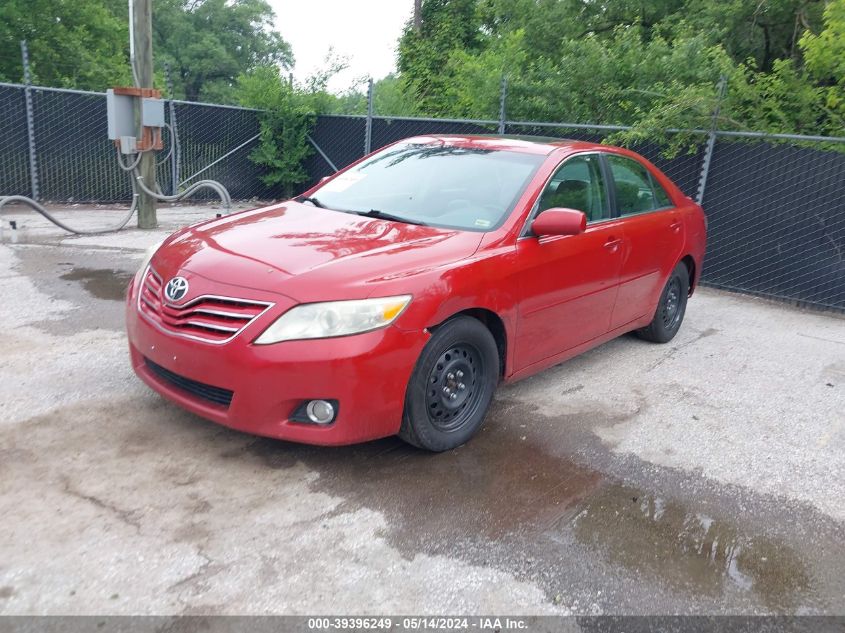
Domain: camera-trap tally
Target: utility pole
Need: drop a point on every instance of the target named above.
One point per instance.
(142, 18)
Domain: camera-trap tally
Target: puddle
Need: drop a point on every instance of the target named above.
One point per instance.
(662, 538)
(101, 283)
(497, 485)
(513, 499)
(521, 496)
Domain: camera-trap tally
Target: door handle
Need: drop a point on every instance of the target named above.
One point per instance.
(676, 226)
(612, 244)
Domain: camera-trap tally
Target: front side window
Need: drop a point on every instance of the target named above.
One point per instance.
(636, 191)
(438, 184)
(578, 184)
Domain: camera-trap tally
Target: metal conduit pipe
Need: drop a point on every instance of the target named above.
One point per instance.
(4, 200)
(215, 186)
(136, 182)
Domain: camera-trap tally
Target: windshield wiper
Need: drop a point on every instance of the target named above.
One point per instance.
(313, 201)
(381, 215)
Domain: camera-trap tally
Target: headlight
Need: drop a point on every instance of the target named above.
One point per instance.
(149, 254)
(334, 318)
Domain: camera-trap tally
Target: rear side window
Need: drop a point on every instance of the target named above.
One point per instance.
(636, 191)
(663, 201)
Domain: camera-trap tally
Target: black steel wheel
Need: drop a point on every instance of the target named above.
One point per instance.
(453, 394)
(670, 308)
(452, 386)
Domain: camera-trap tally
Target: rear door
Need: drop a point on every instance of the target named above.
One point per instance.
(567, 284)
(654, 236)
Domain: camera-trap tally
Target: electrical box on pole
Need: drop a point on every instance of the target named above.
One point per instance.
(120, 114)
(125, 107)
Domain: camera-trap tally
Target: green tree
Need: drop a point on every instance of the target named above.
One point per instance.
(209, 43)
(390, 98)
(447, 26)
(652, 65)
(825, 59)
(85, 43)
(71, 44)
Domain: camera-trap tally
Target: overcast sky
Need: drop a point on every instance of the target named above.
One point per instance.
(364, 31)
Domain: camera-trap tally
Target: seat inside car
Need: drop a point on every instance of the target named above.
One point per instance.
(630, 199)
(569, 194)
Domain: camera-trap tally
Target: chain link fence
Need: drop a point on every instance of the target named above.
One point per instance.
(775, 203)
(14, 154)
(76, 162)
(777, 221)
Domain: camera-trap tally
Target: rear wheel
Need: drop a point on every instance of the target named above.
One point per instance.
(670, 309)
(451, 387)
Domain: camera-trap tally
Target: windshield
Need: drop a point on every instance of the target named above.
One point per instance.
(440, 185)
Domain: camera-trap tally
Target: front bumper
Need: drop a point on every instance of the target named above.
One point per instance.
(366, 373)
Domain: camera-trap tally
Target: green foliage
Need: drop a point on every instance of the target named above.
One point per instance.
(825, 58)
(208, 43)
(85, 43)
(71, 44)
(651, 65)
(286, 119)
(390, 98)
(448, 25)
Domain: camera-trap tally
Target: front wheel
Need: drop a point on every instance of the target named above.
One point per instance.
(670, 309)
(451, 387)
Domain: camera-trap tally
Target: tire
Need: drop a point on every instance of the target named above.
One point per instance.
(670, 309)
(451, 387)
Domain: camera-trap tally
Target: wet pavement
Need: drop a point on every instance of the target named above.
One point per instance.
(625, 481)
(101, 283)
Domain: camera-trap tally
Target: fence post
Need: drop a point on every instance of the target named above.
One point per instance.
(503, 99)
(368, 128)
(711, 139)
(174, 135)
(30, 123)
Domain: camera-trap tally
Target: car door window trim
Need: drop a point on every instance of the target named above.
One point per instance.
(652, 182)
(525, 232)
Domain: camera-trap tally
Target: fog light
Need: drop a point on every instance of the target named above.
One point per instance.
(320, 411)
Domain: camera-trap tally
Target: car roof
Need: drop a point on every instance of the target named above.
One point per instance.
(542, 145)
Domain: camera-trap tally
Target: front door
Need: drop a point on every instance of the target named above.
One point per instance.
(568, 283)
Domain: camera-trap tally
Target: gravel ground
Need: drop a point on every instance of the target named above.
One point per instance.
(702, 476)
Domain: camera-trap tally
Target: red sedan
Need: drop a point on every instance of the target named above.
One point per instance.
(393, 297)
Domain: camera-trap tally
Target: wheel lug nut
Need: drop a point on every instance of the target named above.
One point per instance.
(460, 374)
(453, 396)
(450, 376)
(461, 386)
(446, 390)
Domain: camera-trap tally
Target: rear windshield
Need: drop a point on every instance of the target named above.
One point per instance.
(436, 184)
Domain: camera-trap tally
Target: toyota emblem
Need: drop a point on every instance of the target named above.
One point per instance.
(176, 289)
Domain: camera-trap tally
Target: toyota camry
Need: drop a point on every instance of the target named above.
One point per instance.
(394, 296)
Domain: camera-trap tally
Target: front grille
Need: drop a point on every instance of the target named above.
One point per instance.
(217, 395)
(209, 318)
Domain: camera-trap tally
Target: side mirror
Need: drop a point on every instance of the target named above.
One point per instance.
(559, 221)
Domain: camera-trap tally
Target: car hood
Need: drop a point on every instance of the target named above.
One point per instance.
(308, 253)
